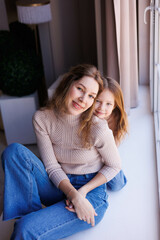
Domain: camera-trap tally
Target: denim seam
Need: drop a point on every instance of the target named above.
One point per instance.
(28, 163)
(30, 159)
(29, 177)
(43, 234)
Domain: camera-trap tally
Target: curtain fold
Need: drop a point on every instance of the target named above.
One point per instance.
(118, 52)
(112, 65)
(106, 39)
(126, 27)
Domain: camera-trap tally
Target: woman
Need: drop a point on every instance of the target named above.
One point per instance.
(110, 106)
(72, 144)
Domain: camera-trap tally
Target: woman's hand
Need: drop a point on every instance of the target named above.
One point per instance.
(83, 208)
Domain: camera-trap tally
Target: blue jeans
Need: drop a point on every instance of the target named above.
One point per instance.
(118, 182)
(27, 186)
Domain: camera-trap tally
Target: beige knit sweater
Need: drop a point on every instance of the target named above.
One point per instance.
(61, 150)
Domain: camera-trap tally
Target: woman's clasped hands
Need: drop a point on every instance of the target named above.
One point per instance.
(77, 202)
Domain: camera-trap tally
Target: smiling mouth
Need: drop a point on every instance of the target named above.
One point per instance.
(100, 113)
(77, 106)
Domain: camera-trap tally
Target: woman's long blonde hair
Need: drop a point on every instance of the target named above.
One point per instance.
(59, 99)
(118, 121)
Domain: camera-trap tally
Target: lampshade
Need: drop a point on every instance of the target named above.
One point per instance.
(33, 11)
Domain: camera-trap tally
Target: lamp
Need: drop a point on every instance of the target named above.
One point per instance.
(33, 11)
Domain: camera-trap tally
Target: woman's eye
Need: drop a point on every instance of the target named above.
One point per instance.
(108, 104)
(97, 101)
(79, 88)
(91, 96)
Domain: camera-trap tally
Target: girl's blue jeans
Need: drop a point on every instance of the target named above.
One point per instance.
(27, 187)
(118, 182)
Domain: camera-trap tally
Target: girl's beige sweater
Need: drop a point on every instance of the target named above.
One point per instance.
(61, 150)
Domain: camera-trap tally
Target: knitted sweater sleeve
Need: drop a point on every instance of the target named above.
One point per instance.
(41, 122)
(106, 146)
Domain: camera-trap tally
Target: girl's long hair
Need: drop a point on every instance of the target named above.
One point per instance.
(118, 121)
(59, 98)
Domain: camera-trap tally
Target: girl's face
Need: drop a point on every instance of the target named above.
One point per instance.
(81, 95)
(104, 104)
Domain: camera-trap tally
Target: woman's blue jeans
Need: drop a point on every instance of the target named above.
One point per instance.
(27, 186)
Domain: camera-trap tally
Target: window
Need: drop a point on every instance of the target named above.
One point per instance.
(155, 72)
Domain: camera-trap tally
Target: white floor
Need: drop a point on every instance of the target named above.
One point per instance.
(133, 213)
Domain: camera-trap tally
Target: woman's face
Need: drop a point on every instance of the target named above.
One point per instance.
(81, 95)
(104, 104)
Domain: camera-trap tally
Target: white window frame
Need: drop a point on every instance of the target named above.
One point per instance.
(155, 75)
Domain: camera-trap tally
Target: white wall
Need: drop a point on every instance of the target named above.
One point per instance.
(144, 44)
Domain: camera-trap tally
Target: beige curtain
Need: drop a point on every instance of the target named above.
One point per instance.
(116, 28)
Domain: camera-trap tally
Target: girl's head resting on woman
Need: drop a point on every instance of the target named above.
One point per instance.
(105, 104)
(110, 106)
(76, 94)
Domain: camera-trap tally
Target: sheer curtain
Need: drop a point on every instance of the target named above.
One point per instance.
(116, 31)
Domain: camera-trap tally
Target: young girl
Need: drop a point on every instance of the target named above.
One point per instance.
(110, 106)
(72, 143)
